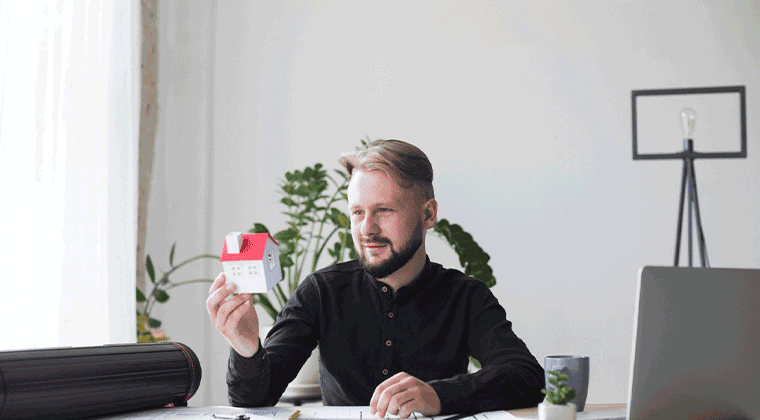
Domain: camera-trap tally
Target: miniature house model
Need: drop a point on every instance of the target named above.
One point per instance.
(251, 261)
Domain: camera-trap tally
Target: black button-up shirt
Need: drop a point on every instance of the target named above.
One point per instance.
(367, 333)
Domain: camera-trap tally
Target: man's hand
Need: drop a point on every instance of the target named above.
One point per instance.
(402, 394)
(235, 318)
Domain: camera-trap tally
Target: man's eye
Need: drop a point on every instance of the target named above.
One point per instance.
(357, 213)
(385, 210)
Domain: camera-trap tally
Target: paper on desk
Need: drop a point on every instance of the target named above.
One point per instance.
(282, 413)
(357, 413)
(175, 413)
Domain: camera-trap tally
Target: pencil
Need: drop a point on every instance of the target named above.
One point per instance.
(295, 415)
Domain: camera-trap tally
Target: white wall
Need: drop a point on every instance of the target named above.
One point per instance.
(178, 209)
(524, 110)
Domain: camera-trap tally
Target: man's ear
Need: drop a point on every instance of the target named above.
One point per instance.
(430, 210)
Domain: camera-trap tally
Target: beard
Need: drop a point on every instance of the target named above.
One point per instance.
(397, 259)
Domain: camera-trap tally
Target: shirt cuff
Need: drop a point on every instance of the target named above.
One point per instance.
(450, 397)
(248, 367)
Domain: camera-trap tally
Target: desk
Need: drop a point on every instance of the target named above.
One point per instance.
(311, 413)
(533, 412)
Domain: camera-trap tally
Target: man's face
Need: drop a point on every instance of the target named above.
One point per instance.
(386, 222)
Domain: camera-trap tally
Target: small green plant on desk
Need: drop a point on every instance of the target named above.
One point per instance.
(557, 405)
(561, 393)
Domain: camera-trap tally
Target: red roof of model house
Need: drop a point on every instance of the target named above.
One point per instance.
(252, 248)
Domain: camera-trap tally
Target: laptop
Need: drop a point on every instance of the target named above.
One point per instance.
(696, 344)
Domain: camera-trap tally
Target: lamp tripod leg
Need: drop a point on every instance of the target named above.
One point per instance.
(700, 232)
(680, 215)
(691, 207)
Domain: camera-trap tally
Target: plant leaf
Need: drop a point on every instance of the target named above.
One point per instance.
(303, 190)
(285, 235)
(162, 296)
(154, 323)
(343, 174)
(472, 258)
(171, 254)
(149, 268)
(285, 261)
(288, 202)
(258, 228)
(140, 296)
(339, 218)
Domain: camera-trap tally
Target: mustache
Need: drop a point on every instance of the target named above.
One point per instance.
(376, 241)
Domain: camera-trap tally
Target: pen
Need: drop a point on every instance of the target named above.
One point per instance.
(238, 417)
(295, 415)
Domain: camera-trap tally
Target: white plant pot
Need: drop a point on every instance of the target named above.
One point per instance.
(549, 411)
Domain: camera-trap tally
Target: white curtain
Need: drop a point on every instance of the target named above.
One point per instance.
(69, 86)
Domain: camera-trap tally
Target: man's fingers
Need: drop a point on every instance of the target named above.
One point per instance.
(373, 403)
(402, 395)
(402, 398)
(215, 300)
(218, 282)
(408, 408)
(223, 315)
(237, 313)
(396, 387)
(232, 316)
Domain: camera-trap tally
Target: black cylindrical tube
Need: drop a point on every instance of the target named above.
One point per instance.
(69, 383)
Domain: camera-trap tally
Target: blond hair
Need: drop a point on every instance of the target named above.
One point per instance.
(401, 161)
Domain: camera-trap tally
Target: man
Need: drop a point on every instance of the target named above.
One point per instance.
(394, 329)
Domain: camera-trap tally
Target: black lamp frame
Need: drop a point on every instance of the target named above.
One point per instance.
(688, 155)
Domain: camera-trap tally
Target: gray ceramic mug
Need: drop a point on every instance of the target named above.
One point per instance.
(577, 369)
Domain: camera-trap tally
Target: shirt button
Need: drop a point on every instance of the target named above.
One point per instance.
(385, 372)
(388, 343)
(385, 289)
(390, 314)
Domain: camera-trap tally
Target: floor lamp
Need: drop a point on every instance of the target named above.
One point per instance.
(688, 155)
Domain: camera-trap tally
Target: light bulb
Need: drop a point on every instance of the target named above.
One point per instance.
(688, 120)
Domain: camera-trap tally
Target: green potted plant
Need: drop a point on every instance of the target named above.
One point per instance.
(147, 325)
(556, 405)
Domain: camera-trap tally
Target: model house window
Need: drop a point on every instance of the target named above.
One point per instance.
(252, 269)
(271, 260)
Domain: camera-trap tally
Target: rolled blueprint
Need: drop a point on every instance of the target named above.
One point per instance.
(77, 382)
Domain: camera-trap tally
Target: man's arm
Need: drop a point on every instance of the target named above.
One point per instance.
(260, 380)
(235, 317)
(510, 377)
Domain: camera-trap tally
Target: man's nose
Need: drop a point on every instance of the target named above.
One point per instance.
(369, 226)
